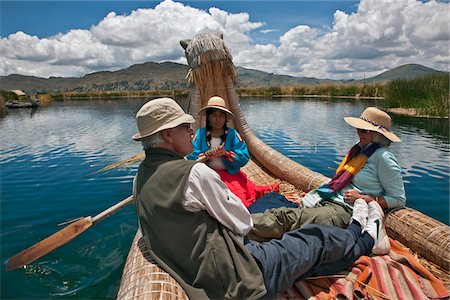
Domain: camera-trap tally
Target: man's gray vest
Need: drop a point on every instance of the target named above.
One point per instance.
(193, 246)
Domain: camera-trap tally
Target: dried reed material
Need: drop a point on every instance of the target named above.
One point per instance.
(128, 161)
(278, 164)
(372, 292)
(204, 49)
(210, 62)
(439, 272)
(260, 176)
(421, 234)
(142, 279)
(194, 107)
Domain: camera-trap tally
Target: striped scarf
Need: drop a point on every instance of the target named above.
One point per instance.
(349, 167)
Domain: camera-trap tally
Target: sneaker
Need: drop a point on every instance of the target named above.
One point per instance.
(360, 212)
(376, 229)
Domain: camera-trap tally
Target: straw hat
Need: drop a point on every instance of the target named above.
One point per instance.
(157, 115)
(374, 119)
(217, 102)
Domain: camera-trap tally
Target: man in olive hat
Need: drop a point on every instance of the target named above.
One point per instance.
(195, 226)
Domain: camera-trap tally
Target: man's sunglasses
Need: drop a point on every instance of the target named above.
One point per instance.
(362, 130)
(185, 125)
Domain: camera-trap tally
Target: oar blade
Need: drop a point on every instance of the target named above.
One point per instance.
(48, 244)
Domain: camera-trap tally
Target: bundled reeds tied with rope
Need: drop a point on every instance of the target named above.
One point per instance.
(144, 279)
(213, 73)
(211, 62)
(423, 235)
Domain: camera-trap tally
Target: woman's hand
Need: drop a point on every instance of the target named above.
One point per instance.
(216, 152)
(350, 196)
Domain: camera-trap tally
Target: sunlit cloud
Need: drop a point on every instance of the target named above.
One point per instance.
(269, 31)
(378, 36)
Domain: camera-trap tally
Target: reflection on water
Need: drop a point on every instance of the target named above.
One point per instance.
(313, 133)
(33, 110)
(437, 128)
(47, 157)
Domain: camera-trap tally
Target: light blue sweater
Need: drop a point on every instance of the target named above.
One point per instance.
(380, 176)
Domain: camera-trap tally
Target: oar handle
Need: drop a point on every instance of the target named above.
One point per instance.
(112, 209)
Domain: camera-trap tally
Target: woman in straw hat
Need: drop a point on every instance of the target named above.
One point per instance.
(226, 151)
(369, 171)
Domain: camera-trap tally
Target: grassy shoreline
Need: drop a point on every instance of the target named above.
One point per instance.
(428, 96)
(425, 96)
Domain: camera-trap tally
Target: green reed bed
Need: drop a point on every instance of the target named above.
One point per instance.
(8, 95)
(428, 95)
(324, 90)
(118, 94)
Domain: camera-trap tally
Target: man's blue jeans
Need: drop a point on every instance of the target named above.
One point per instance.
(312, 249)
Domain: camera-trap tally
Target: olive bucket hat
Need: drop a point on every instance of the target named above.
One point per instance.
(159, 114)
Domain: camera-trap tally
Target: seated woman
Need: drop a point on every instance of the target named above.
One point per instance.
(369, 172)
(226, 152)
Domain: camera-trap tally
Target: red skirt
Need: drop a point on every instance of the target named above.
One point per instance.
(244, 188)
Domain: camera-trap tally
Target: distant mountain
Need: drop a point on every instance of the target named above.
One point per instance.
(147, 76)
(409, 71)
(168, 75)
(254, 78)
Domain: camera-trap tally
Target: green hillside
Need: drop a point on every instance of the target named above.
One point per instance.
(409, 71)
(167, 76)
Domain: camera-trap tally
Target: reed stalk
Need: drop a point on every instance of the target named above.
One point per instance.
(429, 95)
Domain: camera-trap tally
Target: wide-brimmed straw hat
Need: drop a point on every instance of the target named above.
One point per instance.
(217, 102)
(159, 114)
(374, 119)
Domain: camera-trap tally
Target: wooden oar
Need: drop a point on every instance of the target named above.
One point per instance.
(64, 236)
(60, 238)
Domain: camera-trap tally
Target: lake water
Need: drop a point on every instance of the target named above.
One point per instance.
(47, 157)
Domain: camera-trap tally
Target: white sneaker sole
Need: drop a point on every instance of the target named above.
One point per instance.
(382, 245)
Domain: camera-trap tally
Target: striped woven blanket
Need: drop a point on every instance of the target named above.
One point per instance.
(397, 275)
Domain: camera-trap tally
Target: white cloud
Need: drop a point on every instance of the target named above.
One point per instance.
(269, 30)
(379, 36)
(119, 41)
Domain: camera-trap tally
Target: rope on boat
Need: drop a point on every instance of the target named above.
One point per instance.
(310, 184)
(378, 293)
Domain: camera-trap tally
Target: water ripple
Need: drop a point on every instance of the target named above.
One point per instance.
(47, 160)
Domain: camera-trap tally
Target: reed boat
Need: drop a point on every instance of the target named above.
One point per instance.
(212, 72)
(28, 104)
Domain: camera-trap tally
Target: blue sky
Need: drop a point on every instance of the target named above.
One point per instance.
(46, 18)
(323, 39)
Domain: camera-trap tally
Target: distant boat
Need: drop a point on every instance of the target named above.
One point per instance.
(32, 102)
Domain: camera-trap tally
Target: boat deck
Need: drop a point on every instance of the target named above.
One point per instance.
(143, 279)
